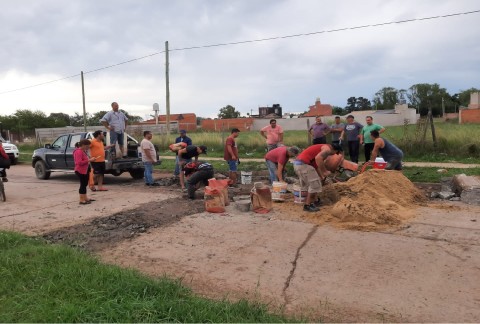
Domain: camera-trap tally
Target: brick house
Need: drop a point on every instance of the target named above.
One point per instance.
(319, 109)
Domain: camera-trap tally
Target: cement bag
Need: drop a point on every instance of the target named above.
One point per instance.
(221, 185)
(261, 198)
(175, 147)
(214, 200)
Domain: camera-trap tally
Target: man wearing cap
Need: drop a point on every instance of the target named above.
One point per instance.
(230, 154)
(183, 138)
(311, 171)
(352, 130)
(185, 156)
(197, 173)
(336, 129)
(319, 131)
(116, 122)
(276, 161)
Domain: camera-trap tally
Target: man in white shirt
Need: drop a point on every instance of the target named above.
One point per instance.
(149, 157)
(116, 122)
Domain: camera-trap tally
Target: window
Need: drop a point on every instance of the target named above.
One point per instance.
(60, 142)
(74, 139)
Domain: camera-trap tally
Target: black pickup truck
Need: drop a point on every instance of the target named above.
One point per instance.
(58, 157)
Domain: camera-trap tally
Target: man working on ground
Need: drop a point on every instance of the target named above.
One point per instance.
(230, 154)
(116, 123)
(390, 153)
(183, 138)
(336, 129)
(310, 169)
(97, 151)
(319, 131)
(352, 129)
(365, 137)
(197, 173)
(273, 133)
(185, 156)
(276, 161)
(149, 158)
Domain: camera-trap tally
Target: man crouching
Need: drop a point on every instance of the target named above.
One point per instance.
(310, 169)
(197, 173)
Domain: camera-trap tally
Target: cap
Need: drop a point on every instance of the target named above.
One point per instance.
(183, 131)
(203, 148)
(337, 147)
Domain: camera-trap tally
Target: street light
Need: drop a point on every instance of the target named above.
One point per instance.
(156, 108)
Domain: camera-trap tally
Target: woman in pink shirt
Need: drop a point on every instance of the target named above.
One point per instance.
(82, 162)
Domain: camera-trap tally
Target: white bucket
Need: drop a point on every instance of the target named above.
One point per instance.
(246, 177)
(279, 191)
(299, 196)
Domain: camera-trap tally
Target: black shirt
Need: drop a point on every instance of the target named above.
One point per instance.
(191, 152)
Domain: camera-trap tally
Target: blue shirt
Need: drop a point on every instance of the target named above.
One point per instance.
(185, 139)
(115, 119)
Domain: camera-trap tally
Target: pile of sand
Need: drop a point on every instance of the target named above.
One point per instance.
(373, 197)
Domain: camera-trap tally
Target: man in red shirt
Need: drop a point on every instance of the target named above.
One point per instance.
(3, 155)
(276, 161)
(310, 169)
(230, 154)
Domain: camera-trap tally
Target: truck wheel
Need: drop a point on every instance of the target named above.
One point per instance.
(41, 170)
(116, 173)
(13, 161)
(137, 173)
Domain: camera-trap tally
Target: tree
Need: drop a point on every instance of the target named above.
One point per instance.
(58, 120)
(228, 112)
(385, 98)
(351, 104)
(338, 110)
(425, 96)
(363, 104)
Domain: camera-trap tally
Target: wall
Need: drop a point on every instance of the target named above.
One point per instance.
(469, 116)
(217, 125)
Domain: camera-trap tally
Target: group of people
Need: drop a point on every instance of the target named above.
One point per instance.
(309, 164)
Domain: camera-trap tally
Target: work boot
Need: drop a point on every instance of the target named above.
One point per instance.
(4, 179)
(310, 208)
(318, 202)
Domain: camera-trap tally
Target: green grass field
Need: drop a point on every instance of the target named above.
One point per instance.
(42, 282)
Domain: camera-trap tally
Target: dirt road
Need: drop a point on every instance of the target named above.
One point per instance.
(427, 270)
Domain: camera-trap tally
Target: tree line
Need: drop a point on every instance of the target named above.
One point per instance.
(422, 97)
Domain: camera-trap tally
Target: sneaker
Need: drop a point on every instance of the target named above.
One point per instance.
(318, 203)
(310, 208)
(148, 185)
(155, 184)
(4, 179)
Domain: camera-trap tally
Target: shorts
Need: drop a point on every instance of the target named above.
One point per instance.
(309, 179)
(116, 138)
(98, 167)
(232, 165)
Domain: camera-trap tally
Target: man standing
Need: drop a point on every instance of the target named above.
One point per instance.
(230, 154)
(202, 171)
(310, 169)
(352, 129)
(390, 153)
(276, 161)
(319, 131)
(365, 137)
(183, 138)
(273, 133)
(336, 129)
(116, 122)
(185, 156)
(97, 152)
(149, 157)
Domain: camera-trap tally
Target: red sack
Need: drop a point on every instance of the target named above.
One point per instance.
(175, 147)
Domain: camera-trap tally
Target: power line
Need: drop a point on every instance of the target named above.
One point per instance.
(253, 41)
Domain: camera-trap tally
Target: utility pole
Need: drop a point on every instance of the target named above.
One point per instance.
(167, 93)
(443, 108)
(84, 110)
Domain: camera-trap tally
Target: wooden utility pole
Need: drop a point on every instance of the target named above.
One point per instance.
(309, 136)
(84, 110)
(167, 93)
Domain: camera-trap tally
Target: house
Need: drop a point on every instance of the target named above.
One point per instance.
(187, 121)
(270, 112)
(319, 109)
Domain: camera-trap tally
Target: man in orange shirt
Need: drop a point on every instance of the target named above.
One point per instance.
(97, 151)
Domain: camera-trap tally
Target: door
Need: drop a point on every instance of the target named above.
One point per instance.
(55, 156)
(69, 151)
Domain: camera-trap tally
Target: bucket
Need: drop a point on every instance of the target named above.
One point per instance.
(214, 200)
(299, 196)
(279, 191)
(379, 164)
(246, 177)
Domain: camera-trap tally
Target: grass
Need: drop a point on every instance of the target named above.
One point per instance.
(417, 174)
(53, 283)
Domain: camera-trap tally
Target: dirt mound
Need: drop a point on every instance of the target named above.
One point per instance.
(373, 200)
(379, 197)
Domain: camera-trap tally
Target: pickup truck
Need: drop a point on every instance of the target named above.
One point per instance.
(58, 157)
(10, 149)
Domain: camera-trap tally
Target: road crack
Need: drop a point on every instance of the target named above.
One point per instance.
(294, 265)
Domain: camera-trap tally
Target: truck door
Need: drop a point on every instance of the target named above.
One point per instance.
(69, 151)
(56, 154)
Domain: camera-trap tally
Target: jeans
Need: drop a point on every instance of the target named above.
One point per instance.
(320, 140)
(148, 172)
(201, 176)
(272, 170)
(368, 147)
(177, 167)
(394, 164)
(353, 149)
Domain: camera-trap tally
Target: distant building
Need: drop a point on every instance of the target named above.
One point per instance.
(319, 109)
(270, 112)
(187, 121)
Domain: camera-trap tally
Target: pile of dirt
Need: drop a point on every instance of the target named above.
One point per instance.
(376, 196)
(373, 200)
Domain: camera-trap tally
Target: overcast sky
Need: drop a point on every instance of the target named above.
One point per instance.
(42, 41)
